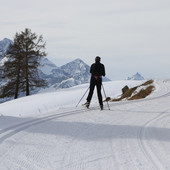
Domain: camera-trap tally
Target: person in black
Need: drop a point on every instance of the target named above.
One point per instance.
(97, 70)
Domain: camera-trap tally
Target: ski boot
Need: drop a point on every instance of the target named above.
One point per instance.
(87, 104)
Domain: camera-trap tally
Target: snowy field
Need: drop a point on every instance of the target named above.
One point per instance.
(47, 132)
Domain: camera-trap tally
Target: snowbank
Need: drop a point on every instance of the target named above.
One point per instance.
(60, 99)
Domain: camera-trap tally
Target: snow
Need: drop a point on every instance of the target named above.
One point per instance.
(46, 131)
(4, 44)
(58, 99)
(47, 66)
(3, 61)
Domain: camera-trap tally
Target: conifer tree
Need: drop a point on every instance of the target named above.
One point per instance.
(12, 70)
(21, 68)
(32, 46)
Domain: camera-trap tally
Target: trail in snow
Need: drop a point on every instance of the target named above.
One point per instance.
(132, 135)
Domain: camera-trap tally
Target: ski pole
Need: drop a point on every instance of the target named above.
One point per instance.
(82, 97)
(106, 97)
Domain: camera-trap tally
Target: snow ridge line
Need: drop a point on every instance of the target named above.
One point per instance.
(149, 155)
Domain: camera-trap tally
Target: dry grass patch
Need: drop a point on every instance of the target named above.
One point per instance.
(143, 93)
(127, 94)
(147, 83)
(132, 94)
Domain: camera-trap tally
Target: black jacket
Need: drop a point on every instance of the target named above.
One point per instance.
(97, 69)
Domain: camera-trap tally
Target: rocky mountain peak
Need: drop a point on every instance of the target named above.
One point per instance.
(137, 76)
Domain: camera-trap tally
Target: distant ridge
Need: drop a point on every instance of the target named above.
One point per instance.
(137, 76)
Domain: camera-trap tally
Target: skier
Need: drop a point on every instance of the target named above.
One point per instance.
(97, 70)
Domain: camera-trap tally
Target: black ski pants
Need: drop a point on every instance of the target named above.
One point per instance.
(98, 83)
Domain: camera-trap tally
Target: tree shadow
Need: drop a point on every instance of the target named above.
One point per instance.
(81, 130)
(96, 132)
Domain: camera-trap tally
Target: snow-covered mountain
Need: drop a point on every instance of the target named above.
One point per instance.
(78, 70)
(137, 76)
(73, 73)
(4, 45)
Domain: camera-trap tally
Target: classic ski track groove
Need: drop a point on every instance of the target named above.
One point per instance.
(22, 126)
(7, 133)
(147, 152)
(143, 146)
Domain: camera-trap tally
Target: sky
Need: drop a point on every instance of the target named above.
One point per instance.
(129, 36)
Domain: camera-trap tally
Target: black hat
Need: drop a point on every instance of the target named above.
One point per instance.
(97, 59)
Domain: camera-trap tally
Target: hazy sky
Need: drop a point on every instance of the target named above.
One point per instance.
(129, 35)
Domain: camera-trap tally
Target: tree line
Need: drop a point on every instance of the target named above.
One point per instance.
(21, 68)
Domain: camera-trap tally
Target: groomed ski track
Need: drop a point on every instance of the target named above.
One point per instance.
(133, 135)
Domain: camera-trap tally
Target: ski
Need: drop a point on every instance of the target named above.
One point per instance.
(84, 105)
(92, 108)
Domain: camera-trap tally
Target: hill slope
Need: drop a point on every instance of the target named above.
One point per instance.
(132, 135)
